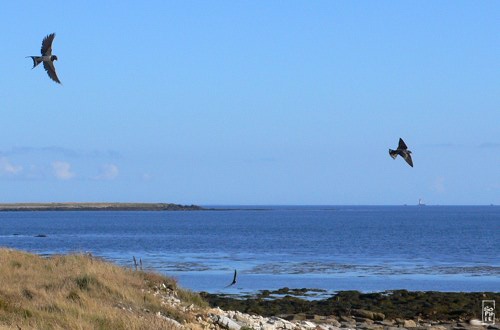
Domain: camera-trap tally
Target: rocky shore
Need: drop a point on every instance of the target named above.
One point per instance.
(216, 318)
(398, 309)
(235, 320)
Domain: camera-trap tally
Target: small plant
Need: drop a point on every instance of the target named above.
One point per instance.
(15, 264)
(73, 296)
(84, 282)
(27, 294)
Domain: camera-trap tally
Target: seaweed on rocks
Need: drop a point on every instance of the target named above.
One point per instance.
(403, 304)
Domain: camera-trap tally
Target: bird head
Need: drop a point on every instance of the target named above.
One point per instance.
(53, 58)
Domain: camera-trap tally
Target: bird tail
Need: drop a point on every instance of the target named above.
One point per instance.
(393, 153)
(36, 60)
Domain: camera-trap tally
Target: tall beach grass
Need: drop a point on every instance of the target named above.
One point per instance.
(78, 291)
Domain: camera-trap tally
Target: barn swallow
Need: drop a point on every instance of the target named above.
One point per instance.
(47, 58)
(234, 279)
(403, 151)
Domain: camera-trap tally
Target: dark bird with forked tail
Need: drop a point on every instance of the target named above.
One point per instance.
(234, 279)
(47, 58)
(403, 151)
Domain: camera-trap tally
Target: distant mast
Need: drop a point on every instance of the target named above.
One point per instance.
(420, 203)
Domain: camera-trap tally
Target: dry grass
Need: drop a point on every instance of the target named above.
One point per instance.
(81, 292)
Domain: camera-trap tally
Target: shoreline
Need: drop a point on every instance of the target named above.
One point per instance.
(65, 290)
(290, 304)
(82, 206)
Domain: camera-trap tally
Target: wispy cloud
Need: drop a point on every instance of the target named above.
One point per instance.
(62, 170)
(6, 167)
(61, 151)
(443, 145)
(108, 172)
(490, 145)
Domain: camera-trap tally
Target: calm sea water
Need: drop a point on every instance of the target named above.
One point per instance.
(445, 248)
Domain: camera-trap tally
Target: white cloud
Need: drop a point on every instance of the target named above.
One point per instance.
(8, 168)
(62, 170)
(108, 172)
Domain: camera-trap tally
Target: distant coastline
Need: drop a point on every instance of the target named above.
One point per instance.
(98, 207)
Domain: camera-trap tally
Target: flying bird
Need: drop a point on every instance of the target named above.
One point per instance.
(47, 58)
(234, 279)
(403, 151)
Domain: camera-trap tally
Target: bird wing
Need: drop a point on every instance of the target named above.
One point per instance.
(402, 144)
(407, 157)
(51, 70)
(47, 44)
(234, 280)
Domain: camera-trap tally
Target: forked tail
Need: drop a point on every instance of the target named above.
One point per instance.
(36, 60)
(393, 153)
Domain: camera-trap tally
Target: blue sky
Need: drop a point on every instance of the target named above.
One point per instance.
(252, 102)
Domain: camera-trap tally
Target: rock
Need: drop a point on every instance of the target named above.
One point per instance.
(289, 326)
(362, 313)
(288, 317)
(437, 327)
(332, 321)
(348, 319)
(476, 322)
(322, 327)
(470, 325)
(347, 325)
(299, 317)
(226, 322)
(245, 318)
(327, 327)
(169, 320)
(387, 323)
(375, 327)
(369, 326)
(409, 324)
(307, 325)
(368, 314)
(266, 326)
(363, 320)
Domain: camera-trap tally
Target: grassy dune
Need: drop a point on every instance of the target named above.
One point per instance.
(82, 292)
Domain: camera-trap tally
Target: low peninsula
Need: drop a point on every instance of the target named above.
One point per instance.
(97, 207)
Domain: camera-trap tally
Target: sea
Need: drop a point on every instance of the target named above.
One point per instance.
(325, 249)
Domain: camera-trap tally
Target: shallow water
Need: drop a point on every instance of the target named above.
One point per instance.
(444, 248)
